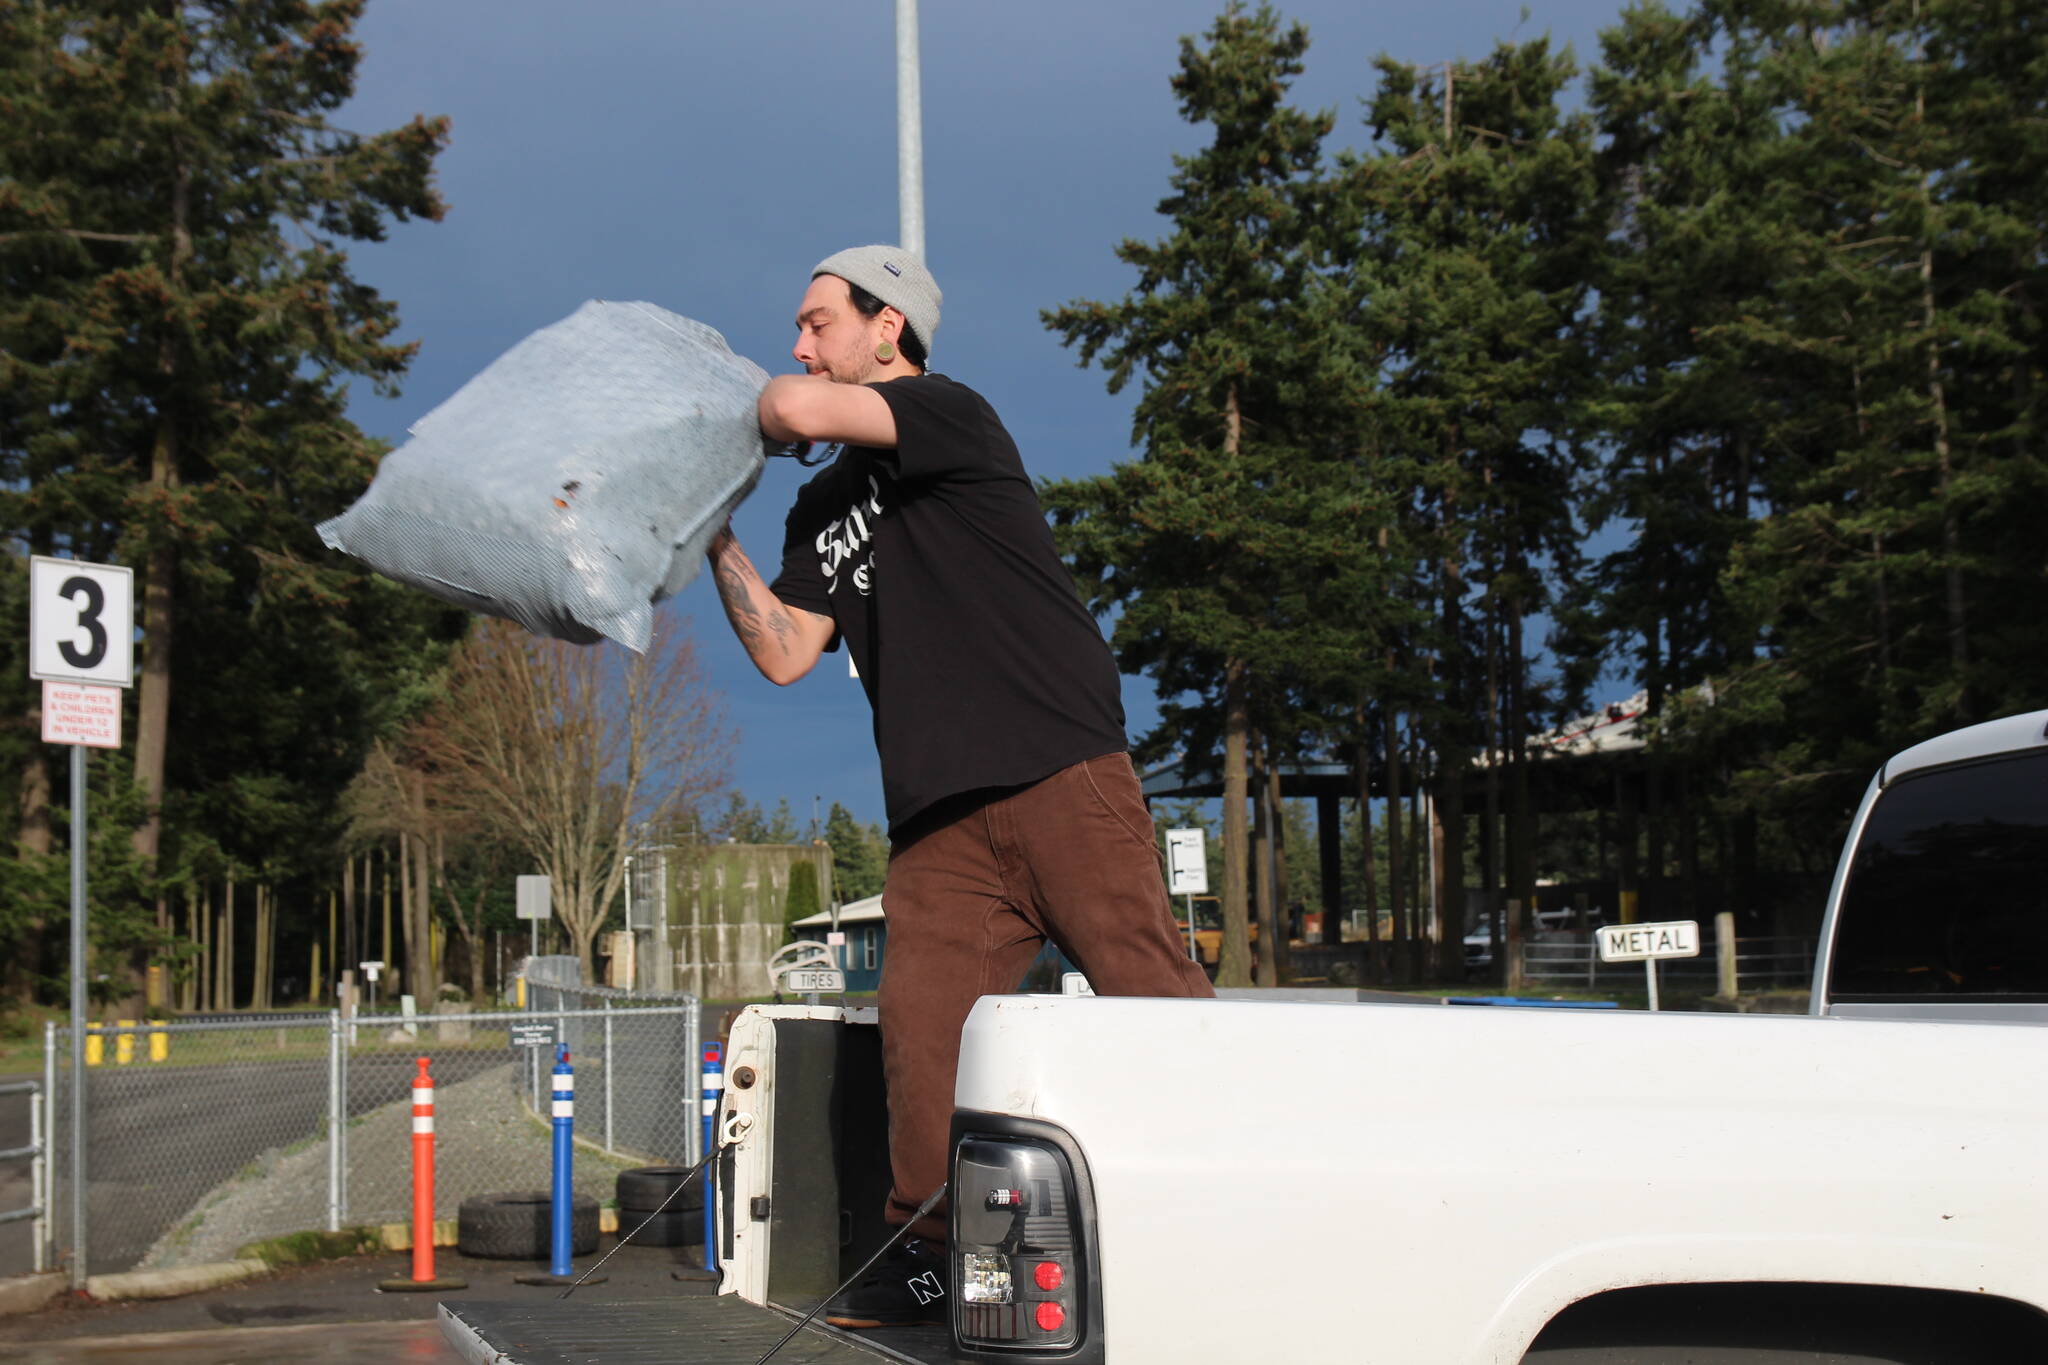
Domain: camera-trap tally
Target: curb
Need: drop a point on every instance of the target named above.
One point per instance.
(27, 1293)
(169, 1284)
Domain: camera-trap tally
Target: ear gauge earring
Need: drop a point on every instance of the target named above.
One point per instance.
(885, 352)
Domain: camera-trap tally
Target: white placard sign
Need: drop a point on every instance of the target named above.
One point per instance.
(78, 713)
(814, 981)
(1645, 942)
(1187, 863)
(535, 896)
(81, 622)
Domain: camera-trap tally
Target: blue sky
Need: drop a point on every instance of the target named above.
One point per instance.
(705, 156)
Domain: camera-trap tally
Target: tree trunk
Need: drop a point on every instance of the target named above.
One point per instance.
(1265, 845)
(425, 974)
(153, 699)
(389, 958)
(1367, 876)
(226, 998)
(1233, 968)
(1396, 879)
(1951, 525)
(1283, 897)
(475, 935)
(262, 993)
(349, 955)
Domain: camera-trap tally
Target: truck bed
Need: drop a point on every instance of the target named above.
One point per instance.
(718, 1330)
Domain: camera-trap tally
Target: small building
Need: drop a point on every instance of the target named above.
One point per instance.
(867, 945)
(866, 936)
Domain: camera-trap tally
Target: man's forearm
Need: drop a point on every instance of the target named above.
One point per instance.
(758, 617)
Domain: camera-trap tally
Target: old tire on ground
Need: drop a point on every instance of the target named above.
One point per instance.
(518, 1226)
(644, 1187)
(669, 1229)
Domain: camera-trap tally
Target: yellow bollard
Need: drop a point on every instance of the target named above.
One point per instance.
(95, 1045)
(159, 1042)
(520, 993)
(124, 1045)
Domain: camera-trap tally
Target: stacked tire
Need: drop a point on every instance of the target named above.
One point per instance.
(520, 1226)
(649, 1214)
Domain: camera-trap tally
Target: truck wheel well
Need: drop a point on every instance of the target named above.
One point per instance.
(1840, 1322)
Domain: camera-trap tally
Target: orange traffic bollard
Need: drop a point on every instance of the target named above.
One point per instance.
(422, 1193)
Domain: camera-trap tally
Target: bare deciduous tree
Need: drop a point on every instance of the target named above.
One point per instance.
(561, 750)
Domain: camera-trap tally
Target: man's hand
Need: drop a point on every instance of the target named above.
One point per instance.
(783, 641)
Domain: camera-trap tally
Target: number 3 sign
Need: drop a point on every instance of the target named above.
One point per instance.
(81, 622)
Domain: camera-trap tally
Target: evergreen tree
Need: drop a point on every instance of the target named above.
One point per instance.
(1478, 230)
(177, 327)
(860, 855)
(801, 900)
(1206, 545)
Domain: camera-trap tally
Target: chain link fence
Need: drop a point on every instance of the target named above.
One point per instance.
(202, 1137)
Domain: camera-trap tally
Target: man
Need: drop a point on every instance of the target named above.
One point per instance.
(1014, 813)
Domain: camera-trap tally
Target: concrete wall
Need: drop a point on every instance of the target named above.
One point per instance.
(725, 917)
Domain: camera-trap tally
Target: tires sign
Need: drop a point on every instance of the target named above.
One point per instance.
(81, 622)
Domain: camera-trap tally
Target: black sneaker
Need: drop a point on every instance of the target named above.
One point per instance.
(906, 1288)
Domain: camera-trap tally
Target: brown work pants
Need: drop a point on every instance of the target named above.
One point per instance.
(974, 891)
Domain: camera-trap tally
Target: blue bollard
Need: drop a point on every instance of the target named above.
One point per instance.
(565, 1133)
(714, 1083)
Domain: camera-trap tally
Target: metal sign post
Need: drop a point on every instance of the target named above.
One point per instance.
(81, 630)
(1650, 944)
(1187, 873)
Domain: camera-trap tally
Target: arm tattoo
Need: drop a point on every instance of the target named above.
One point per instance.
(736, 576)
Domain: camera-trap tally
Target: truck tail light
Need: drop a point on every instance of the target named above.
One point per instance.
(1018, 1237)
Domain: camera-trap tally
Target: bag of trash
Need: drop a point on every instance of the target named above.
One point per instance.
(576, 481)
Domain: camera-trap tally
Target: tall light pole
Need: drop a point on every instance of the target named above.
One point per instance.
(909, 130)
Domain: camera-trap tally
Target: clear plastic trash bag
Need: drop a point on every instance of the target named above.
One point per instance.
(576, 481)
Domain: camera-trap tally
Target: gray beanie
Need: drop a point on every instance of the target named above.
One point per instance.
(896, 277)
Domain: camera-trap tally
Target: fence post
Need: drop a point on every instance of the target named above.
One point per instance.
(1724, 955)
(38, 1189)
(608, 1075)
(693, 1027)
(337, 1119)
(46, 1227)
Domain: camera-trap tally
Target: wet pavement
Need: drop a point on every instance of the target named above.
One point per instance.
(331, 1311)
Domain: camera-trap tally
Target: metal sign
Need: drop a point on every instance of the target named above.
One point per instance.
(1645, 942)
(81, 622)
(814, 981)
(80, 713)
(1187, 863)
(536, 896)
(533, 1035)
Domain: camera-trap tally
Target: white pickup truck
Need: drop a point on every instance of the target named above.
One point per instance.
(1231, 1181)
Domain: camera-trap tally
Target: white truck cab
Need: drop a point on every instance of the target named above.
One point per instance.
(1939, 908)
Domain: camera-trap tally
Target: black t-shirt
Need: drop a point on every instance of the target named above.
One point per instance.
(935, 564)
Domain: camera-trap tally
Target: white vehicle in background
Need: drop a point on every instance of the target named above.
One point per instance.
(1479, 944)
(1939, 908)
